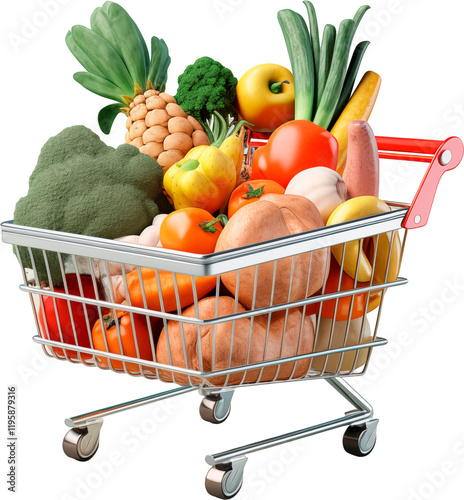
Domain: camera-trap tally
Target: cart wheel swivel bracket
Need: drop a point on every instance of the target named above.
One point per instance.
(81, 443)
(215, 408)
(225, 480)
(359, 440)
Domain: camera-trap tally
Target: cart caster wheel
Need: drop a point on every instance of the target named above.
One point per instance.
(81, 443)
(225, 480)
(359, 440)
(215, 408)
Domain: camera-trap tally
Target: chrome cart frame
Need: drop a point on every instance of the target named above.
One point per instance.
(336, 355)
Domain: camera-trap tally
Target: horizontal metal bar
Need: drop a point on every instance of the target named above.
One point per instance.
(221, 319)
(201, 265)
(205, 375)
(81, 420)
(364, 412)
(227, 456)
(273, 362)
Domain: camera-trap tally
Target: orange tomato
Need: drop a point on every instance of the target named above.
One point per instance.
(110, 331)
(344, 303)
(190, 230)
(251, 191)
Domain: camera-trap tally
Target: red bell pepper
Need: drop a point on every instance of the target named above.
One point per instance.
(294, 146)
(59, 318)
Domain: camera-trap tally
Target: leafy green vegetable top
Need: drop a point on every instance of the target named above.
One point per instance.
(206, 87)
(80, 185)
(116, 59)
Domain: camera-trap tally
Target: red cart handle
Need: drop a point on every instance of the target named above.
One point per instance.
(442, 156)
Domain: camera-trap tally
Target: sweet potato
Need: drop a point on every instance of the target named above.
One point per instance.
(361, 174)
(274, 216)
(243, 349)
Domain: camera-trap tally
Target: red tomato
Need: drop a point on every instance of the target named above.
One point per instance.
(110, 331)
(251, 191)
(294, 146)
(59, 319)
(190, 230)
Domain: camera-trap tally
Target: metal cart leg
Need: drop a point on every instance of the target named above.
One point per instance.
(81, 442)
(225, 478)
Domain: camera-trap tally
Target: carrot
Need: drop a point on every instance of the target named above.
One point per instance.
(204, 284)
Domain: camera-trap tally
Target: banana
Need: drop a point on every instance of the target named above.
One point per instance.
(355, 208)
(359, 107)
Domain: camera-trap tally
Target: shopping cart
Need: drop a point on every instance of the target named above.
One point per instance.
(200, 352)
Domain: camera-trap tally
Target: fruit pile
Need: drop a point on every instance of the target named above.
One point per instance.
(181, 183)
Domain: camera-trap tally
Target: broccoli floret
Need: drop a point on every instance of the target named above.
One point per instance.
(207, 89)
(80, 185)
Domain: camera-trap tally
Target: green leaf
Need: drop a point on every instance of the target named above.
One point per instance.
(133, 49)
(98, 85)
(107, 115)
(155, 59)
(336, 76)
(350, 79)
(81, 56)
(106, 6)
(102, 54)
(100, 24)
(358, 16)
(160, 62)
(327, 46)
(314, 33)
(162, 76)
(296, 35)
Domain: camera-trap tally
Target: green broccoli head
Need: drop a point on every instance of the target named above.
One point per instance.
(204, 87)
(80, 185)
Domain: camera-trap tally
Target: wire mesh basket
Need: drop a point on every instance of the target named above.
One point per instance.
(252, 315)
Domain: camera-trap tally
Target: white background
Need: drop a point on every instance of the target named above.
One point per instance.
(415, 383)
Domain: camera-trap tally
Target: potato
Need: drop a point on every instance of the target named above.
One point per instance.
(178, 140)
(226, 355)
(152, 149)
(274, 216)
(200, 138)
(175, 110)
(168, 158)
(180, 124)
(138, 112)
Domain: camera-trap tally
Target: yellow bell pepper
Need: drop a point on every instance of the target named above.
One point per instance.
(204, 178)
(363, 206)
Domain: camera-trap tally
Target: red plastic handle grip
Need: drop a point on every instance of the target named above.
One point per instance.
(447, 155)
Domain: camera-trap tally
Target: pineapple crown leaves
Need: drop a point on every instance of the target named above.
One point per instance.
(116, 59)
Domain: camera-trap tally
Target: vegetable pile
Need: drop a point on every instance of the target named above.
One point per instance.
(81, 185)
(180, 183)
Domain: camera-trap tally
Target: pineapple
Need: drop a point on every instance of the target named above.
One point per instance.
(119, 67)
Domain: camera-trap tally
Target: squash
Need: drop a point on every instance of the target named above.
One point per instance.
(283, 341)
(274, 216)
